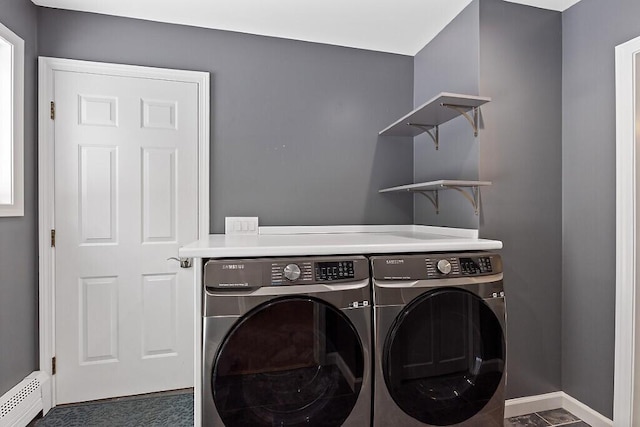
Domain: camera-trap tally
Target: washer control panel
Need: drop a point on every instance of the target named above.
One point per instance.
(435, 266)
(260, 272)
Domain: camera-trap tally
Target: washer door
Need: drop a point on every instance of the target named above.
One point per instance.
(444, 357)
(289, 362)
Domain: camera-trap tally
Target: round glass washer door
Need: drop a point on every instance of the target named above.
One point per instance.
(289, 362)
(444, 357)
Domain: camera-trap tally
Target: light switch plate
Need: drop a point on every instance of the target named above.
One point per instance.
(241, 225)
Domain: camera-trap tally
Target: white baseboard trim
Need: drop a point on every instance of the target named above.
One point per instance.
(530, 404)
(585, 413)
(20, 405)
(558, 399)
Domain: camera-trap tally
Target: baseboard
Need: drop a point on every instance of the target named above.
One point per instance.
(585, 413)
(559, 399)
(530, 404)
(20, 405)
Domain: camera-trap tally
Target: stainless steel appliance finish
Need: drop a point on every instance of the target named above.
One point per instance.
(287, 341)
(440, 353)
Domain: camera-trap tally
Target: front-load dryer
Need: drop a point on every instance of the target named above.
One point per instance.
(439, 322)
(287, 342)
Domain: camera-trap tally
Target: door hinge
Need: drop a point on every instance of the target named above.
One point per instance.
(53, 238)
(53, 366)
(53, 110)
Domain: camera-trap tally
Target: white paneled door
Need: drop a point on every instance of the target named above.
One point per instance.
(126, 198)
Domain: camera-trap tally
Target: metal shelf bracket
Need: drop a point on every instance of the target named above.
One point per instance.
(432, 131)
(473, 197)
(432, 195)
(463, 110)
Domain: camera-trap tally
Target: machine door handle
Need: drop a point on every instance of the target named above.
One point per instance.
(184, 262)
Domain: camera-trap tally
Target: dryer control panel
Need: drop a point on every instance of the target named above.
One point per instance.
(261, 272)
(334, 270)
(436, 266)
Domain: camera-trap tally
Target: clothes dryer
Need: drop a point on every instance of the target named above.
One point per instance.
(440, 353)
(287, 342)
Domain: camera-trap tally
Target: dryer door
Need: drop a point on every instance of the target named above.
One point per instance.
(294, 361)
(444, 357)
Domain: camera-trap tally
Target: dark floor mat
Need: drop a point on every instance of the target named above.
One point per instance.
(175, 410)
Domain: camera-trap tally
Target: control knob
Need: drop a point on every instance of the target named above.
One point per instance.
(292, 272)
(444, 266)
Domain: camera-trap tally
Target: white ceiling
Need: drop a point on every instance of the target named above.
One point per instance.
(396, 26)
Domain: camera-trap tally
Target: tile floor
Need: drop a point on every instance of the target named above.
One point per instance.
(554, 417)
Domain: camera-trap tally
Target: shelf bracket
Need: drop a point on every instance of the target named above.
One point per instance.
(463, 110)
(432, 131)
(432, 195)
(473, 197)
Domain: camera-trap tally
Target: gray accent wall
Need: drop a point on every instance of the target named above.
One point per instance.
(449, 63)
(294, 125)
(511, 53)
(521, 152)
(18, 235)
(591, 31)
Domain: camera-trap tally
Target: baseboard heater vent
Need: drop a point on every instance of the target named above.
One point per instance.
(20, 405)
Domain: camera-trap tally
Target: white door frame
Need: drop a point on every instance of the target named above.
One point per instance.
(626, 376)
(47, 67)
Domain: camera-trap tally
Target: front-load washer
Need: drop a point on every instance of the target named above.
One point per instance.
(439, 322)
(287, 342)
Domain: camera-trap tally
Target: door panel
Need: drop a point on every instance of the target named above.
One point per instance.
(159, 194)
(99, 319)
(126, 187)
(98, 194)
(159, 334)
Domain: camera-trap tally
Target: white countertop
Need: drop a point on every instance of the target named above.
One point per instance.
(338, 240)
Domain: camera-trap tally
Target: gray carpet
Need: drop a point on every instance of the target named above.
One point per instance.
(174, 409)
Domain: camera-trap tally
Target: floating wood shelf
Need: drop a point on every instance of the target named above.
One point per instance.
(430, 115)
(430, 190)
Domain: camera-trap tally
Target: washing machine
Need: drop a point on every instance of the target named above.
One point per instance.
(287, 342)
(440, 350)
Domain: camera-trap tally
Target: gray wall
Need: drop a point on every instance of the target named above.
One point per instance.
(520, 152)
(511, 53)
(449, 63)
(294, 124)
(18, 236)
(591, 30)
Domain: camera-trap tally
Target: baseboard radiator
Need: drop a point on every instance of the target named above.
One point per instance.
(20, 405)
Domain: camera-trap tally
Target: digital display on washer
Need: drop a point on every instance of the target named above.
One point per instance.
(477, 265)
(334, 270)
